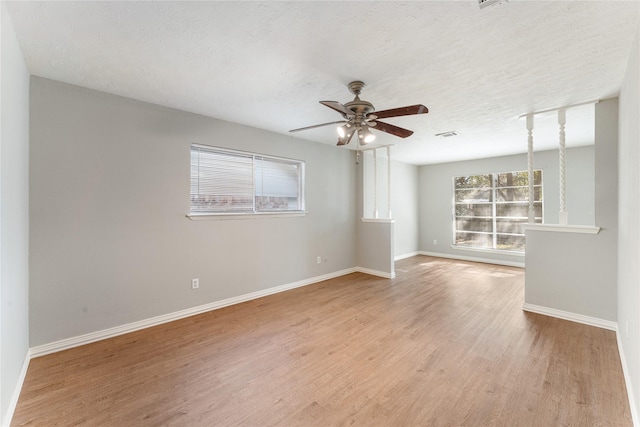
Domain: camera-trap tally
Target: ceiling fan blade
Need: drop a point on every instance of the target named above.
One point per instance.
(393, 130)
(317, 126)
(335, 105)
(402, 111)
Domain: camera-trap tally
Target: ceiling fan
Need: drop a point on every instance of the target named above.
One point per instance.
(360, 117)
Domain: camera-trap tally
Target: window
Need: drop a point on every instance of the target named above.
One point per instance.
(490, 210)
(234, 182)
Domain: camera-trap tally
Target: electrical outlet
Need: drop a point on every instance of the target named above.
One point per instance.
(435, 242)
(319, 260)
(195, 283)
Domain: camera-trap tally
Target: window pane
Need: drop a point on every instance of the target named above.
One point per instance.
(473, 195)
(511, 226)
(507, 194)
(475, 224)
(515, 209)
(510, 194)
(277, 185)
(512, 179)
(471, 209)
(473, 181)
(474, 239)
(220, 182)
(510, 243)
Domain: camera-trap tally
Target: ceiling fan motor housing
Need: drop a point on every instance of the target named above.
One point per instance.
(359, 107)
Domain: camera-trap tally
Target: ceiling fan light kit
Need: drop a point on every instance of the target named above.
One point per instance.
(360, 116)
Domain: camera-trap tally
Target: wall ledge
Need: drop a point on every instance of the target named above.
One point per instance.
(243, 216)
(383, 220)
(557, 228)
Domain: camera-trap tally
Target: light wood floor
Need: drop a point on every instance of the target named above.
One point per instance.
(446, 343)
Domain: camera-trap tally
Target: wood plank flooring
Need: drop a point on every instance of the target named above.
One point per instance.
(446, 343)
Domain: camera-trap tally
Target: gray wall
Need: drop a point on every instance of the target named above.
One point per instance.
(629, 225)
(577, 273)
(436, 195)
(110, 243)
(375, 247)
(14, 217)
(404, 207)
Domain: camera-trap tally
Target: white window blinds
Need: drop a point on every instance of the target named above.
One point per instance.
(224, 181)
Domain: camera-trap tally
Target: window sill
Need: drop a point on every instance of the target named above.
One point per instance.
(223, 216)
(385, 220)
(557, 228)
(488, 251)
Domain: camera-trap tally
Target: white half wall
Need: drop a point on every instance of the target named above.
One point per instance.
(14, 219)
(577, 273)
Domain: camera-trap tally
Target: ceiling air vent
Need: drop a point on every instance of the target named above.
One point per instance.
(485, 3)
(447, 134)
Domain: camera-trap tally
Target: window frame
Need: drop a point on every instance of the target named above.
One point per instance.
(494, 218)
(254, 211)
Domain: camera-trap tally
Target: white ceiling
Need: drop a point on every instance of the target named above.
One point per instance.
(267, 64)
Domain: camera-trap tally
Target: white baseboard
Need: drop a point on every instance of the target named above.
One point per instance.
(574, 317)
(8, 416)
(384, 274)
(473, 259)
(409, 255)
(627, 380)
(67, 343)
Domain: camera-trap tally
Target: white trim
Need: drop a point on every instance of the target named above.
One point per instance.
(67, 343)
(378, 273)
(251, 215)
(574, 317)
(627, 380)
(374, 147)
(558, 228)
(550, 110)
(474, 259)
(8, 416)
(387, 220)
(488, 251)
(408, 255)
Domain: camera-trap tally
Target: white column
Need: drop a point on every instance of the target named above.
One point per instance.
(375, 184)
(388, 182)
(532, 213)
(562, 119)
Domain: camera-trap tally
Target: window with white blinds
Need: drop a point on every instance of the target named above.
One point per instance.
(233, 182)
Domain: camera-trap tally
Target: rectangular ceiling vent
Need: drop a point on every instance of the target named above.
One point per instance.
(485, 3)
(447, 134)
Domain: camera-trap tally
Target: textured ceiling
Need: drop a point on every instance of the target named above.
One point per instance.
(267, 64)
